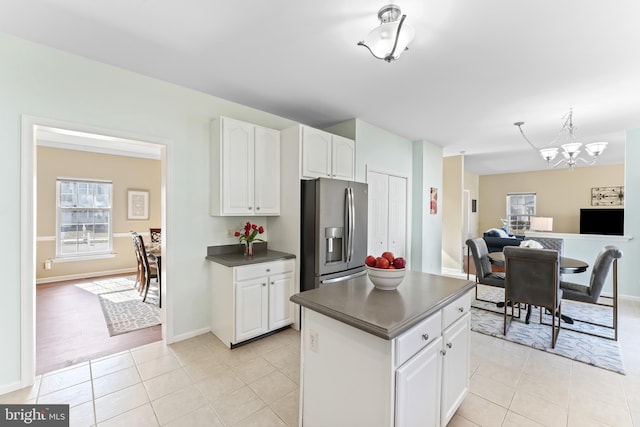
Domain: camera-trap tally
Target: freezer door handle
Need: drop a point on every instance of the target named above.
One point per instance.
(343, 278)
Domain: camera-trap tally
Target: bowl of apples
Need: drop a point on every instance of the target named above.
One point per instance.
(385, 272)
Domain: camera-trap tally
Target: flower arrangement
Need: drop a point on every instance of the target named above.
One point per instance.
(248, 235)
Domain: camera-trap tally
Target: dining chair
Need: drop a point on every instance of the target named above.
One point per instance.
(484, 275)
(150, 268)
(156, 235)
(606, 258)
(532, 277)
(139, 267)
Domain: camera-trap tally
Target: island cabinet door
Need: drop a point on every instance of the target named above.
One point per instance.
(418, 388)
(251, 308)
(455, 366)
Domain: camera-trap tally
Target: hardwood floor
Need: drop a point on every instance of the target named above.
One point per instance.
(70, 328)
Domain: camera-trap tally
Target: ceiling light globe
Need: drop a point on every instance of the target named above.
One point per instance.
(595, 148)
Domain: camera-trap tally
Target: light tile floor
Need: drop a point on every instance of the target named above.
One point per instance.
(199, 382)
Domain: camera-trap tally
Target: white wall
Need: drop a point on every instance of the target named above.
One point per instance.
(47, 83)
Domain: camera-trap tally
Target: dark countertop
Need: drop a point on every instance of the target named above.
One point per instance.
(385, 314)
(232, 256)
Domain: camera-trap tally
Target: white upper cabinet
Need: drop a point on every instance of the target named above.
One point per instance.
(245, 169)
(325, 155)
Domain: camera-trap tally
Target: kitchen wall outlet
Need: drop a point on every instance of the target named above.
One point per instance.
(47, 264)
(313, 340)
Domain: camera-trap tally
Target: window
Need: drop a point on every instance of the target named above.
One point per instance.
(83, 217)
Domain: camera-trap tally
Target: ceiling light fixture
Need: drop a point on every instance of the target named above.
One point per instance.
(388, 40)
(570, 148)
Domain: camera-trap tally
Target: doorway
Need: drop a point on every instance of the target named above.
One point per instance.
(73, 137)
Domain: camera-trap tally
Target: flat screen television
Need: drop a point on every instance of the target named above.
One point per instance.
(602, 221)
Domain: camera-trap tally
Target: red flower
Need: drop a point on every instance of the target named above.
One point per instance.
(249, 233)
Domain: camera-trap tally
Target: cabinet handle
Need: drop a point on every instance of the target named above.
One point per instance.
(461, 309)
(249, 208)
(264, 284)
(443, 352)
(257, 208)
(268, 270)
(449, 345)
(425, 337)
(273, 283)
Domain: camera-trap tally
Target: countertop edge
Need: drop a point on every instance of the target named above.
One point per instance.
(241, 260)
(387, 334)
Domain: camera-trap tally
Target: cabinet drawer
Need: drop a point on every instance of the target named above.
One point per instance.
(417, 338)
(263, 269)
(456, 309)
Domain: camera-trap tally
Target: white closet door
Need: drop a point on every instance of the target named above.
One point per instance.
(397, 237)
(378, 212)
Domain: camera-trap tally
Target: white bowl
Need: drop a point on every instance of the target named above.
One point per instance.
(386, 279)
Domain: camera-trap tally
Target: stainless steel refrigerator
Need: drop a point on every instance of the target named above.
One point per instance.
(333, 231)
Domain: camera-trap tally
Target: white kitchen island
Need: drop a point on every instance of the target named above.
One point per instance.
(384, 358)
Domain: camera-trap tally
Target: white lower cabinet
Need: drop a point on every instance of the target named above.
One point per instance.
(418, 388)
(455, 367)
(249, 301)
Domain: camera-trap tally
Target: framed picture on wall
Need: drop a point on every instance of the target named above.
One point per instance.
(138, 205)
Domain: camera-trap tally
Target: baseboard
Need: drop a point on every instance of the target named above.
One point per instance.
(81, 276)
(187, 335)
(8, 388)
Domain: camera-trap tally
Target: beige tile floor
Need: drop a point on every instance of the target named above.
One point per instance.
(199, 382)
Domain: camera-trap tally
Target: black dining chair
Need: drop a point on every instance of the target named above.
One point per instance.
(532, 277)
(484, 275)
(606, 258)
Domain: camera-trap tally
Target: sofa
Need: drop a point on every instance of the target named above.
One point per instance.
(498, 238)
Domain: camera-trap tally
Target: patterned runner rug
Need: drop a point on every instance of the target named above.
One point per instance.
(122, 305)
(487, 319)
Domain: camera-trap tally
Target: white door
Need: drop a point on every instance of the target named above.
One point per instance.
(343, 158)
(316, 153)
(418, 388)
(237, 165)
(397, 240)
(280, 308)
(455, 367)
(378, 213)
(251, 308)
(267, 171)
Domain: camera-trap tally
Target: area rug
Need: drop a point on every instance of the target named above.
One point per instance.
(604, 353)
(122, 305)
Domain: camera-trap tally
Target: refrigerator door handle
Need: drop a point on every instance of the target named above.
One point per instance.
(343, 278)
(350, 223)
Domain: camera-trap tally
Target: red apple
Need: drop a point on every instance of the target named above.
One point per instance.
(370, 261)
(388, 256)
(382, 263)
(399, 262)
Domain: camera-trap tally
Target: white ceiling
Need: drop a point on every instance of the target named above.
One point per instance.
(474, 68)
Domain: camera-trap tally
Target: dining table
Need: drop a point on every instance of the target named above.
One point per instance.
(567, 266)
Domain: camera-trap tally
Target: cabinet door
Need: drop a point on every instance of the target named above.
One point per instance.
(251, 308)
(455, 367)
(316, 153)
(267, 171)
(397, 237)
(237, 167)
(343, 155)
(418, 388)
(378, 212)
(280, 308)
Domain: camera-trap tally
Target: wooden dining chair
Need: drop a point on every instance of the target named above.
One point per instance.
(156, 234)
(140, 268)
(149, 269)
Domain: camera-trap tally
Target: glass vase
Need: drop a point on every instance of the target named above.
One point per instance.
(248, 249)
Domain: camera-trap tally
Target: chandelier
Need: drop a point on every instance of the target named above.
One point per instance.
(570, 148)
(388, 40)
